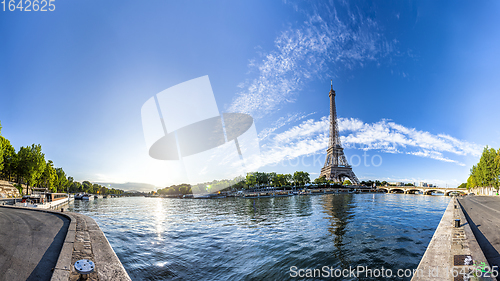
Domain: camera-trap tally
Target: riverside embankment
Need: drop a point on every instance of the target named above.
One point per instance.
(483, 214)
(454, 252)
(41, 244)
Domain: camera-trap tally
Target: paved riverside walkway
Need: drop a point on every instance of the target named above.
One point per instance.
(484, 214)
(30, 243)
(34, 246)
(453, 253)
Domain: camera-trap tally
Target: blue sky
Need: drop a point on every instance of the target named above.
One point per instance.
(417, 82)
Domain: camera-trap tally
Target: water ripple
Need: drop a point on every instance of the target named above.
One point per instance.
(245, 239)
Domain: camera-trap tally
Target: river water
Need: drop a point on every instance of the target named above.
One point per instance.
(264, 239)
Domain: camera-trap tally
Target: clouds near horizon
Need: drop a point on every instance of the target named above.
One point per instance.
(311, 137)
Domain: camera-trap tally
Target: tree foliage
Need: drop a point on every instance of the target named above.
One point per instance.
(301, 178)
(28, 166)
(49, 177)
(176, 189)
(61, 182)
(1, 148)
(31, 163)
(10, 159)
(486, 173)
(321, 181)
(262, 179)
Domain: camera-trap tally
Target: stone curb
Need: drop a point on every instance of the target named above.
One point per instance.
(437, 254)
(104, 254)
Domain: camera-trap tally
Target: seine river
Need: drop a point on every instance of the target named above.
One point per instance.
(268, 238)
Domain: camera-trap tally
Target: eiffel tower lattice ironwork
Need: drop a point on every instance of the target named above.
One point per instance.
(336, 167)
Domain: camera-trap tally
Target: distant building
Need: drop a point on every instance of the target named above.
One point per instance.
(422, 184)
(396, 183)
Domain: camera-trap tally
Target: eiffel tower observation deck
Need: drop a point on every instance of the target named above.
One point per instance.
(336, 166)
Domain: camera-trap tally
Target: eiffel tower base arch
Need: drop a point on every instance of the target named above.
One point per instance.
(339, 174)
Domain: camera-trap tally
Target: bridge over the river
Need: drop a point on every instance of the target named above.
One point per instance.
(420, 190)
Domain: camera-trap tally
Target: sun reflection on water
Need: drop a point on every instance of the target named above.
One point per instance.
(159, 214)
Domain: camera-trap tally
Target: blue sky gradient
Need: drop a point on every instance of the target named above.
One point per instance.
(417, 82)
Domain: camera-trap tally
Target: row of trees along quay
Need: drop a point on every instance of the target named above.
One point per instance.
(257, 180)
(299, 178)
(28, 166)
(486, 173)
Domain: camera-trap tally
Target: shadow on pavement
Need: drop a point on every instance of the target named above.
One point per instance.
(489, 251)
(44, 269)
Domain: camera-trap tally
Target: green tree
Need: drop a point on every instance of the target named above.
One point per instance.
(184, 189)
(306, 178)
(472, 180)
(10, 159)
(69, 184)
(1, 148)
(463, 185)
(287, 179)
(272, 178)
(49, 177)
(487, 168)
(296, 178)
(96, 188)
(487, 172)
(347, 182)
(321, 181)
(261, 178)
(76, 187)
(279, 180)
(301, 178)
(497, 161)
(31, 164)
(87, 187)
(251, 179)
(276, 179)
(62, 181)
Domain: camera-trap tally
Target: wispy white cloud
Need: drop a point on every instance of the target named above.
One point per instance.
(311, 137)
(282, 121)
(388, 136)
(306, 52)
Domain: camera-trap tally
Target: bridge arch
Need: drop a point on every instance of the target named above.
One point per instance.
(430, 191)
(413, 191)
(397, 190)
(448, 192)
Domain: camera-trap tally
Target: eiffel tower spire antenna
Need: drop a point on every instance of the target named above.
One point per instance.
(336, 167)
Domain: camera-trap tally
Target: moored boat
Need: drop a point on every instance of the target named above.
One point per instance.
(84, 196)
(87, 197)
(41, 198)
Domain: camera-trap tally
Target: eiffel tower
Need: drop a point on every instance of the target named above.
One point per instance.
(336, 167)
